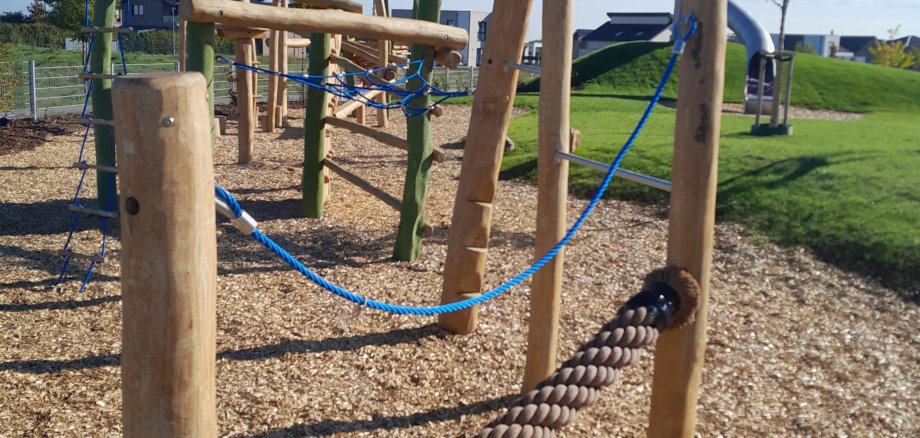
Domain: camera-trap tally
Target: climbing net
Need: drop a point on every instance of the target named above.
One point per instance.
(228, 206)
(358, 86)
(84, 166)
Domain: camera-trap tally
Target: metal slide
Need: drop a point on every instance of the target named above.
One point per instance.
(757, 41)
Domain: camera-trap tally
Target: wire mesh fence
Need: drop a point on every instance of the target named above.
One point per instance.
(27, 90)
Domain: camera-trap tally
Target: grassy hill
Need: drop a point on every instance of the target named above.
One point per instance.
(844, 189)
(633, 69)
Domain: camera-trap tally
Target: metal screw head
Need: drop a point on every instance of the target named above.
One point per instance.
(169, 121)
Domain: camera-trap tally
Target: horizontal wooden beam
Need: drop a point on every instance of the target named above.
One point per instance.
(448, 58)
(346, 109)
(298, 43)
(345, 5)
(241, 32)
(350, 67)
(387, 198)
(370, 54)
(383, 137)
(242, 14)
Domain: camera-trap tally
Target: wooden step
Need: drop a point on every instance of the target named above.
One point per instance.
(74, 255)
(92, 121)
(92, 211)
(82, 165)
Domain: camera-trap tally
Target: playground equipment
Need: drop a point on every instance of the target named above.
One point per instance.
(760, 66)
(786, 62)
(169, 270)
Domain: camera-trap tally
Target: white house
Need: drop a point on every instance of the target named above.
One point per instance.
(622, 27)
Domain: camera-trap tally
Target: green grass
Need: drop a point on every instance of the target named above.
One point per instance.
(846, 190)
(45, 57)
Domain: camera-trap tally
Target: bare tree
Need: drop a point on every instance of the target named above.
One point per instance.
(778, 78)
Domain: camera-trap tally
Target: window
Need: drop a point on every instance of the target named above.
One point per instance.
(478, 56)
(481, 36)
(450, 22)
(138, 10)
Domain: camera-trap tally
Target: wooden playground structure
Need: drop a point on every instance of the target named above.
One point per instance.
(168, 229)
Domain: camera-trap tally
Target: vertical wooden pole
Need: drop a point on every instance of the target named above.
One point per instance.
(271, 101)
(468, 239)
(552, 182)
(181, 37)
(314, 128)
(418, 134)
(101, 63)
(282, 82)
(169, 256)
(383, 49)
(244, 101)
(199, 40)
(679, 353)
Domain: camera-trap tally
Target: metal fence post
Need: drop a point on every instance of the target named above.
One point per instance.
(471, 77)
(177, 66)
(33, 97)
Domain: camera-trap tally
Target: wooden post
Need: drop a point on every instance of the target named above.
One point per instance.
(181, 37)
(272, 99)
(552, 180)
(383, 47)
(282, 82)
(415, 191)
(244, 101)
(314, 139)
(101, 63)
(679, 353)
(169, 256)
(468, 239)
(200, 50)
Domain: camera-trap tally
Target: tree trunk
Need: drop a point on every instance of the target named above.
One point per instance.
(778, 62)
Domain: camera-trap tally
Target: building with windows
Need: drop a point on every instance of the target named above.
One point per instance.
(623, 27)
(475, 23)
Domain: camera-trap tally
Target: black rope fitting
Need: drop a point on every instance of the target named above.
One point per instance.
(658, 297)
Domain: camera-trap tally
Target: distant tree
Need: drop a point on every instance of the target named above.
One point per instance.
(778, 79)
(38, 12)
(9, 80)
(68, 15)
(14, 18)
(804, 48)
(893, 54)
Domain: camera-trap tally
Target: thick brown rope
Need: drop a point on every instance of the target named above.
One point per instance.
(576, 384)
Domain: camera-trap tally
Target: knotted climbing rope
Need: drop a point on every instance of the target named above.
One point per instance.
(669, 300)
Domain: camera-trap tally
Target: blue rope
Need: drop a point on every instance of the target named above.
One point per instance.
(338, 85)
(464, 304)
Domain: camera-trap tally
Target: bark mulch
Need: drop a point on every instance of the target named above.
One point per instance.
(796, 347)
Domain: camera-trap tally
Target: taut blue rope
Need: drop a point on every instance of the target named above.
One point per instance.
(338, 85)
(460, 305)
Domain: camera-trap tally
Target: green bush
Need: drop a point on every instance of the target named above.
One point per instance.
(33, 34)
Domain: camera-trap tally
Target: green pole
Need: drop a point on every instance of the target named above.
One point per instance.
(199, 46)
(314, 126)
(101, 63)
(412, 213)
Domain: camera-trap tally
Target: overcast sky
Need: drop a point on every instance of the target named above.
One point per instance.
(846, 17)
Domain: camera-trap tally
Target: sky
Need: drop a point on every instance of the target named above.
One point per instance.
(844, 17)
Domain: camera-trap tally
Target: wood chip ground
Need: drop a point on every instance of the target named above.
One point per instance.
(796, 347)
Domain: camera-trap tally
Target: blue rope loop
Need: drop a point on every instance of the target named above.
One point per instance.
(338, 86)
(266, 241)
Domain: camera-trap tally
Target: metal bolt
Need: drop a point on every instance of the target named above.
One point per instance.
(220, 13)
(169, 121)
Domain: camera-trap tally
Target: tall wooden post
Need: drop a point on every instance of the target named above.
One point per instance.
(383, 50)
(101, 63)
(468, 240)
(169, 256)
(282, 99)
(679, 353)
(271, 101)
(552, 180)
(199, 44)
(314, 127)
(181, 38)
(418, 134)
(244, 100)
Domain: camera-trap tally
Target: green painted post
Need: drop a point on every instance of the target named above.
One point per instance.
(101, 63)
(314, 127)
(415, 192)
(199, 45)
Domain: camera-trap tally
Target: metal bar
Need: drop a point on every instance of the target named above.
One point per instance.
(94, 211)
(522, 67)
(33, 103)
(650, 181)
(82, 165)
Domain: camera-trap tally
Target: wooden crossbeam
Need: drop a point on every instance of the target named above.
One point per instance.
(302, 21)
(345, 5)
(383, 137)
(119, 30)
(363, 184)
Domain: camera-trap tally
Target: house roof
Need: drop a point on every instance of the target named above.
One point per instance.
(910, 41)
(580, 33)
(857, 44)
(625, 32)
(638, 14)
